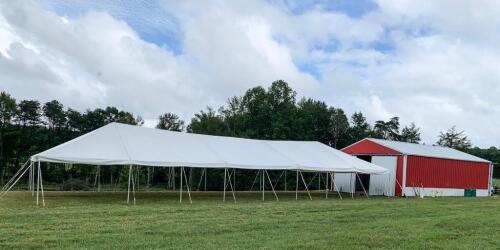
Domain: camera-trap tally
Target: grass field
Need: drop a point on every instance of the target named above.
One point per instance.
(104, 220)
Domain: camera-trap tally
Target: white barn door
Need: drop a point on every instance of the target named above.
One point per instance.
(384, 184)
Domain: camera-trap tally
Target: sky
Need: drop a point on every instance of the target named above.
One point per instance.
(435, 63)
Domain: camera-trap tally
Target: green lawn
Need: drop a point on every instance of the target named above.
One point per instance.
(104, 220)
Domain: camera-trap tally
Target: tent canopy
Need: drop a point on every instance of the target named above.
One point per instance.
(121, 144)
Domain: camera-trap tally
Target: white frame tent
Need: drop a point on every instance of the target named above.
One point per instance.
(128, 145)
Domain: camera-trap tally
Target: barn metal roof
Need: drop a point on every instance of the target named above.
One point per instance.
(426, 150)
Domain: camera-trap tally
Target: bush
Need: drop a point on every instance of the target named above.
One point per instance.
(74, 185)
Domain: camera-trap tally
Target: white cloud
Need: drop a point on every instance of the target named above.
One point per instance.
(432, 62)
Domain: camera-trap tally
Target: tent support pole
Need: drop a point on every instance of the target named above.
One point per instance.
(363, 186)
(129, 178)
(187, 186)
(29, 178)
(32, 179)
(268, 178)
(285, 180)
(41, 183)
(263, 184)
(297, 185)
(133, 184)
(303, 180)
(277, 181)
(37, 183)
(326, 185)
(231, 185)
(352, 186)
(201, 178)
(205, 179)
(14, 180)
(254, 180)
(180, 190)
(335, 185)
(224, 193)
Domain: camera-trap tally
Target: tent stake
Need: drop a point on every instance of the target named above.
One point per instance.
(275, 195)
(363, 186)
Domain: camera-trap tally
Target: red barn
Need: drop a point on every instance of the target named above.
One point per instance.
(418, 170)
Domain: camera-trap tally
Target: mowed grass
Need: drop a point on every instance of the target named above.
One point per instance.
(90, 220)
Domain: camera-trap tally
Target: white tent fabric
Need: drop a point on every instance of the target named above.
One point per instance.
(121, 144)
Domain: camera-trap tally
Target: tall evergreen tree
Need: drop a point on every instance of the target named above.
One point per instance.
(453, 138)
(410, 134)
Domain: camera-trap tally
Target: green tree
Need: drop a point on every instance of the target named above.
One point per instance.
(410, 134)
(339, 127)
(387, 130)
(54, 112)
(359, 129)
(283, 109)
(207, 122)
(29, 114)
(8, 109)
(170, 121)
(313, 121)
(453, 138)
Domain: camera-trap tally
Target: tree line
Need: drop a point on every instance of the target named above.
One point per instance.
(28, 127)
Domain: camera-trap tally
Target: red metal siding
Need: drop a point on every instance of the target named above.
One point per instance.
(443, 173)
(368, 147)
(399, 176)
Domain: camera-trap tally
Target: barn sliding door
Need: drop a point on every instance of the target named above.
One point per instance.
(384, 184)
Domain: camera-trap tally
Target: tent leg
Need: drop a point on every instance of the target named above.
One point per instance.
(37, 183)
(254, 180)
(285, 180)
(268, 178)
(133, 184)
(352, 186)
(335, 185)
(201, 178)
(363, 186)
(180, 190)
(326, 185)
(138, 168)
(205, 179)
(277, 181)
(129, 179)
(297, 186)
(29, 179)
(231, 185)
(224, 193)
(303, 180)
(41, 183)
(263, 184)
(14, 180)
(32, 170)
(187, 186)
